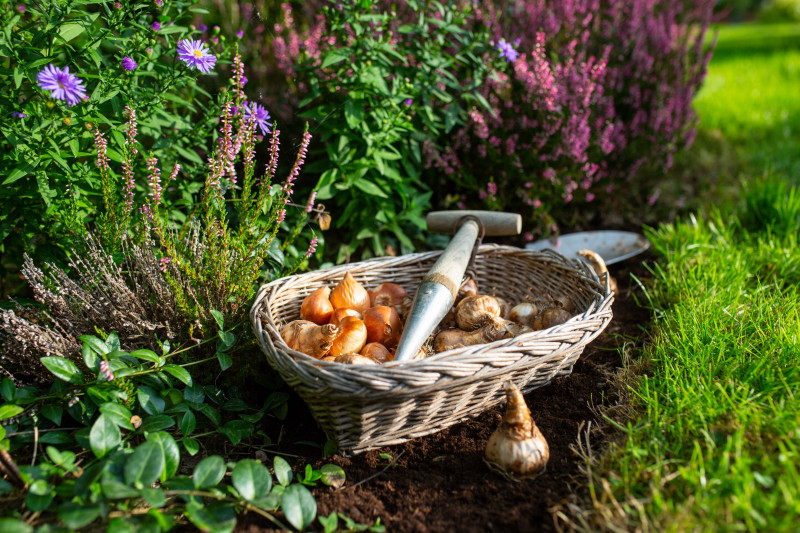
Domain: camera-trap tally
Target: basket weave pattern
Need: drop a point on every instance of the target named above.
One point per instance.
(370, 406)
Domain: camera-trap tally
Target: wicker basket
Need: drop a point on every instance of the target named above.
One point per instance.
(369, 406)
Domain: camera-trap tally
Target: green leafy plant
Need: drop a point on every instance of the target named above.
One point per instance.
(117, 54)
(377, 95)
(115, 429)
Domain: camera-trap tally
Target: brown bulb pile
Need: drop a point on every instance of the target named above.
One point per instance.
(349, 324)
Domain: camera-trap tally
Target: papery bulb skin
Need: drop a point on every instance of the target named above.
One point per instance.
(517, 448)
(388, 294)
(317, 306)
(550, 317)
(524, 313)
(505, 307)
(468, 288)
(474, 311)
(599, 267)
(352, 337)
(309, 338)
(339, 314)
(404, 307)
(350, 294)
(383, 325)
(455, 338)
(377, 352)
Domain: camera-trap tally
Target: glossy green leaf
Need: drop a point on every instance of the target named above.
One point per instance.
(178, 373)
(188, 423)
(157, 423)
(332, 475)
(335, 56)
(76, 516)
(214, 518)
(104, 436)
(150, 400)
(225, 360)
(208, 472)
(118, 413)
(251, 479)
(218, 318)
(144, 465)
(236, 430)
(170, 451)
(298, 506)
(7, 410)
(12, 525)
(95, 344)
(8, 390)
(283, 472)
(191, 446)
(63, 369)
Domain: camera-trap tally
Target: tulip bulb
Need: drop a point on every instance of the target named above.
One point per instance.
(317, 306)
(599, 267)
(352, 337)
(309, 338)
(474, 311)
(456, 338)
(388, 294)
(355, 359)
(377, 352)
(505, 307)
(383, 325)
(550, 317)
(524, 313)
(339, 314)
(350, 294)
(468, 288)
(517, 449)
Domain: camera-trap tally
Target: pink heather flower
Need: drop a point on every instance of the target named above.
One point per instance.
(105, 370)
(64, 86)
(196, 55)
(653, 198)
(301, 157)
(240, 34)
(118, 5)
(537, 203)
(21, 8)
(528, 184)
(129, 64)
(175, 171)
(408, 102)
(589, 196)
(482, 194)
(491, 188)
(528, 236)
(163, 262)
(281, 216)
(101, 145)
(159, 3)
(312, 246)
(310, 204)
(155, 26)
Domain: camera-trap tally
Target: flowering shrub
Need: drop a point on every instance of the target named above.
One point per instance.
(71, 67)
(595, 95)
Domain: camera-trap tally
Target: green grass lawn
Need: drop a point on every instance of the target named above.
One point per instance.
(712, 441)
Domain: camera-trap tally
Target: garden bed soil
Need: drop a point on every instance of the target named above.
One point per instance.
(440, 482)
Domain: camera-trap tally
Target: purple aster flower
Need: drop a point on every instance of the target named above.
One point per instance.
(203, 27)
(64, 86)
(240, 34)
(259, 114)
(118, 5)
(408, 102)
(19, 115)
(243, 80)
(507, 51)
(196, 55)
(155, 26)
(159, 3)
(129, 64)
(21, 8)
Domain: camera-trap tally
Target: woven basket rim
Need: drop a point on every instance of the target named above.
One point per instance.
(454, 363)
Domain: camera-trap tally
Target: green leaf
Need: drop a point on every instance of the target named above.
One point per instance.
(225, 360)
(20, 172)
(5, 488)
(63, 369)
(147, 355)
(218, 317)
(330, 523)
(208, 472)
(194, 394)
(56, 437)
(335, 56)
(150, 400)
(179, 373)
(75, 515)
(157, 423)
(95, 344)
(332, 475)
(214, 518)
(236, 430)
(188, 423)
(7, 410)
(298, 506)
(154, 497)
(12, 525)
(8, 390)
(228, 340)
(282, 470)
(354, 112)
(191, 445)
(90, 358)
(118, 413)
(144, 465)
(251, 479)
(170, 451)
(104, 436)
(370, 188)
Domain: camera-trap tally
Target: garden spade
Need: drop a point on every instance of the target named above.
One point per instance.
(437, 293)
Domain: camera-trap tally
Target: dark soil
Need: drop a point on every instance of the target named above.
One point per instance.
(440, 482)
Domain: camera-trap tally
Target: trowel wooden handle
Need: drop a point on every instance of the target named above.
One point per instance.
(450, 267)
(495, 223)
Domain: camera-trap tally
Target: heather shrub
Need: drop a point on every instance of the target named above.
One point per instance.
(595, 98)
(106, 55)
